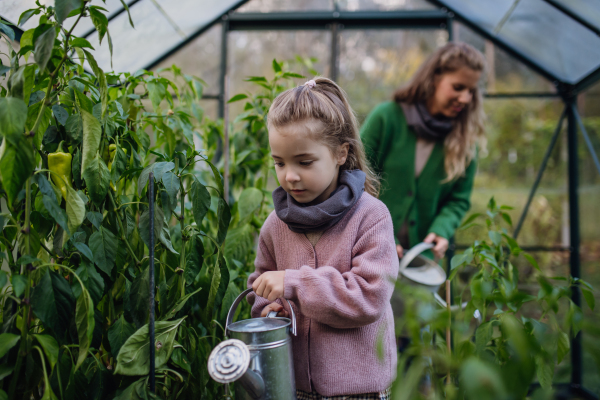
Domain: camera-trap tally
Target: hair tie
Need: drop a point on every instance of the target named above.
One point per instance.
(310, 84)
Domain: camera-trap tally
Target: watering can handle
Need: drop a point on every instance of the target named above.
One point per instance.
(242, 296)
(413, 252)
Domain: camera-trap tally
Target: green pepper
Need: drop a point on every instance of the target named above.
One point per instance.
(60, 164)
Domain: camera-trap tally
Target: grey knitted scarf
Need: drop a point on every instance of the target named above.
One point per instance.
(319, 217)
(424, 124)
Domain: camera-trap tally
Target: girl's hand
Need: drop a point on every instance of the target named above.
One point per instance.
(269, 285)
(441, 245)
(275, 307)
(400, 251)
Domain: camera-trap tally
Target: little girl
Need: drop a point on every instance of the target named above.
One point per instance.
(329, 248)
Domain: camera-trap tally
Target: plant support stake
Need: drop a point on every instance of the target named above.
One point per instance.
(151, 273)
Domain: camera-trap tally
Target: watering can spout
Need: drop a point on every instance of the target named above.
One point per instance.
(253, 383)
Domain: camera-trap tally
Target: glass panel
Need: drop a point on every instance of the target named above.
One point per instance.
(374, 63)
(504, 73)
(589, 209)
(265, 6)
(584, 9)
(556, 42)
(252, 52)
(384, 5)
(202, 58)
(518, 133)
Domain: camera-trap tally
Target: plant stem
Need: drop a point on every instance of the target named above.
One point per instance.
(182, 226)
(116, 210)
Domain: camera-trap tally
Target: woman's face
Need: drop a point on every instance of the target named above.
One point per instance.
(454, 90)
(305, 168)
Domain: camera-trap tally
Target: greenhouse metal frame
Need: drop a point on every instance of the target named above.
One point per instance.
(476, 16)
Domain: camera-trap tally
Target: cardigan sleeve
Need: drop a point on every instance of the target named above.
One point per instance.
(264, 262)
(456, 204)
(371, 134)
(354, 298)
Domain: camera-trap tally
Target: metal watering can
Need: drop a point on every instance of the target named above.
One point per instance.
(258, 357)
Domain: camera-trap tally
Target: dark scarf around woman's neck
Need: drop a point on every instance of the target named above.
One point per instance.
(302, 218)
(424, 124)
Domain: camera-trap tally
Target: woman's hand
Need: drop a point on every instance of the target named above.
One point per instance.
(400, 251)
(441, 245)
(269, 285)
(275, 307)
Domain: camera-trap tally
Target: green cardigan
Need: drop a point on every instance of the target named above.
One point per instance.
(425, 202)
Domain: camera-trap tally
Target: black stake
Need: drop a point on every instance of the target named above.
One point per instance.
(151, 272)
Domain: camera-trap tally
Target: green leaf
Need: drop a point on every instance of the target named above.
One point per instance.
(139, 298)
(171, 182)
(119, 165)
(27, 259)
(230, 295)
(480, 379)
(95, 218)
(200, 201)
(84, 319)
(545, 371)
(165, 238)
(92, 132)
(574, 318)
(532, 261)
(75, 210)
(60, 114)
(103, 244)
(179, 305)
(224, 216)
(507, 218)
(85, 104)
(102, 86)
(256, 79)
(156, 92)
(180, 359)
(7, 342)
(118, 334)
(91, 279)
(238, 97)
(126, 7)
(589, 298)
(100, 22)
(144, 225)
(563, 346)
(483, 335)
(133, 359)
(19, 283)
(250, 201)
(194, 260)
(84, 250)
(81, 43)
(97, 179)
(288, 75)
(44, 45)
(59, 215)
(16, 165)
(8, 31)
(276, 66)
(50, 346)
(62, 8)
(13, 115)
(496, 237)
(158, 169)
(52, 302)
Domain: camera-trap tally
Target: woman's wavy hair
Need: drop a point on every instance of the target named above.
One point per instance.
(325, 102)
(461, 144)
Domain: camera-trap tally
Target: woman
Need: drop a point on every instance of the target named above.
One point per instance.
(424, 144)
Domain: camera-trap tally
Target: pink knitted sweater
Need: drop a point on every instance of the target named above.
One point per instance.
(341, 292)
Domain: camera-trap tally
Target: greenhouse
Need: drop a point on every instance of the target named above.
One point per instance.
(136, 179)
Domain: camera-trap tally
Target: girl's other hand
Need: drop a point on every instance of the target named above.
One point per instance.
(400, 251)
(441, 245)
(275, 307)
(269, 285)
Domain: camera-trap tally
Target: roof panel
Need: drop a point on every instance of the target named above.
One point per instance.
(538, 31)
(587, 10)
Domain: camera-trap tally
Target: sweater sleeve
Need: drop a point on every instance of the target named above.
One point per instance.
(456, 205)
(371, 134)
(264, 262)
(354, 298)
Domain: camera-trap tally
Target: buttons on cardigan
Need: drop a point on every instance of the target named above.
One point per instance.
(410, 193)
(412, 223)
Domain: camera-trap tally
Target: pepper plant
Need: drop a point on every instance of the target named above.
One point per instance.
(77, 151)
(506, 338)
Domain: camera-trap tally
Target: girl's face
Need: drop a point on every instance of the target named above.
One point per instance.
(454, 90)
(305, 168)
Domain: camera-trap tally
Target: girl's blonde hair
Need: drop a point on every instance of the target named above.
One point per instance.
(325, 102)
(468, 132)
